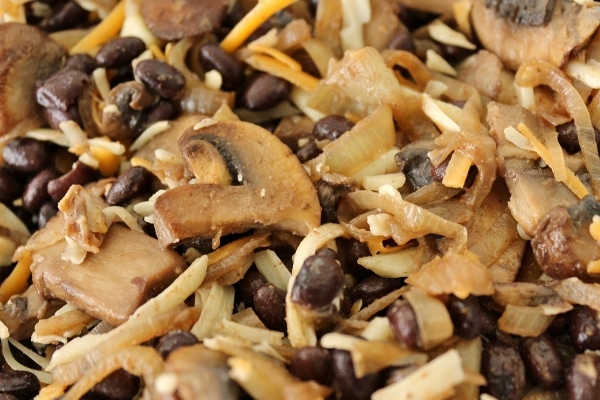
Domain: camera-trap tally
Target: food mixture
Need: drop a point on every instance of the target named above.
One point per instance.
(298, 200)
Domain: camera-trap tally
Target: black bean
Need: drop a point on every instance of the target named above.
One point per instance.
(119, 52)
(372, 288)
(269, 305)
(119, 385)
(504, 371)
(174, 340)
(306, 62)
(583, 377)
(438, 173)
(332, 127)
(213, 57)
(6, 396)
(312, 363)
(403, 322)
(81, 62)
(21, 384)
(264, 91)
(353, 250)
(26, 155)
(161, 111)
(318, 283)
(309, 151)
(567, 137)
(347, 385)
(248, 285)
(543, 361)
(402, 40)
(465, 315)
(61, 89)
(160, 77)
(326, 252)
(54, 116)
(584, 328)
(454, 53)
(69, 15)
(131, 183)
(47, 211)
(79, 175)
(11, 186)
(36, 191)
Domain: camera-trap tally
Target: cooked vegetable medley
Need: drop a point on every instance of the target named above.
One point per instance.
(295, 199)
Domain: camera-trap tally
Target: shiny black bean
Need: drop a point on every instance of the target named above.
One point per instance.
(174, 340)
(347, 385)
(403, 322)
(248, 285)
(36, 191)
(332, 127)
(11, 186)
(119, 385)
(312, 363)
(567, 137)
(79, 175)
(264, 91)
(161, 111)
(119, 52)
(326, 252)
(69, 15)
(504, 371)
(21, 384)
(466, 316)
(81, 62)
(160, 77)
(213, 57)
(353, 250)
(134, 181)
(306, 62)
(402, 40)
(309, 151)
(584, 328)
(54, 116)
(61, 89)
(47, 211)
(269, 305)
(372, 288)
(543, 361)
(583, 377)
(318, 283)
(26, 155)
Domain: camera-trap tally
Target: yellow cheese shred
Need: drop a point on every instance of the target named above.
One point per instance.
(570, 179)
(276, 54)
(275, 67)
(103, 32)
(16, 282)
(263, 10)
(457, 170)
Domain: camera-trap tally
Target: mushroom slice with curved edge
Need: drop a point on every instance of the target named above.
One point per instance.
(27, 55)
(270, 188)
(177, 19)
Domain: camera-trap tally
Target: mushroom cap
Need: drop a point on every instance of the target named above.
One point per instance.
(271, 189)
(27, 56)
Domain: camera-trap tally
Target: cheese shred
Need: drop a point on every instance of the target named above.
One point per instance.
(103, 32)
(279, 69)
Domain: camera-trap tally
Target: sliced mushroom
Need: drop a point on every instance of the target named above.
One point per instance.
(27, 55)
(570, 27)
(563, 245)
(172, 20)
(201, 370)
(524, 12)
(129, 269)
(270, 187)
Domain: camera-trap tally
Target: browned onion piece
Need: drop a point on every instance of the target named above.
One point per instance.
(535, 73)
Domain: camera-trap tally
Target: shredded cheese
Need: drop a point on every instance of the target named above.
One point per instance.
(16, 282)
(103, 32)
(263, 10)
(570, 180)
(457, 170)
(355, 14)
(279, 69)
(276, 54)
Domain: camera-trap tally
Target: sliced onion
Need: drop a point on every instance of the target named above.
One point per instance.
(536, 72)
(524, 321)
(575, 291)
(460, 274)
(433, 319)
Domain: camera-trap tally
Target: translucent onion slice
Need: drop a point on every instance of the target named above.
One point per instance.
(460, 274)
(575, 291)
(433, 319)
(524, 321)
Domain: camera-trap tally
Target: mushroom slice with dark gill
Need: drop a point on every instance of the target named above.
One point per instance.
(110, 285)
(563, 245)
(270, 189)
(27, 55)
(570, 27)
(177, 19)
